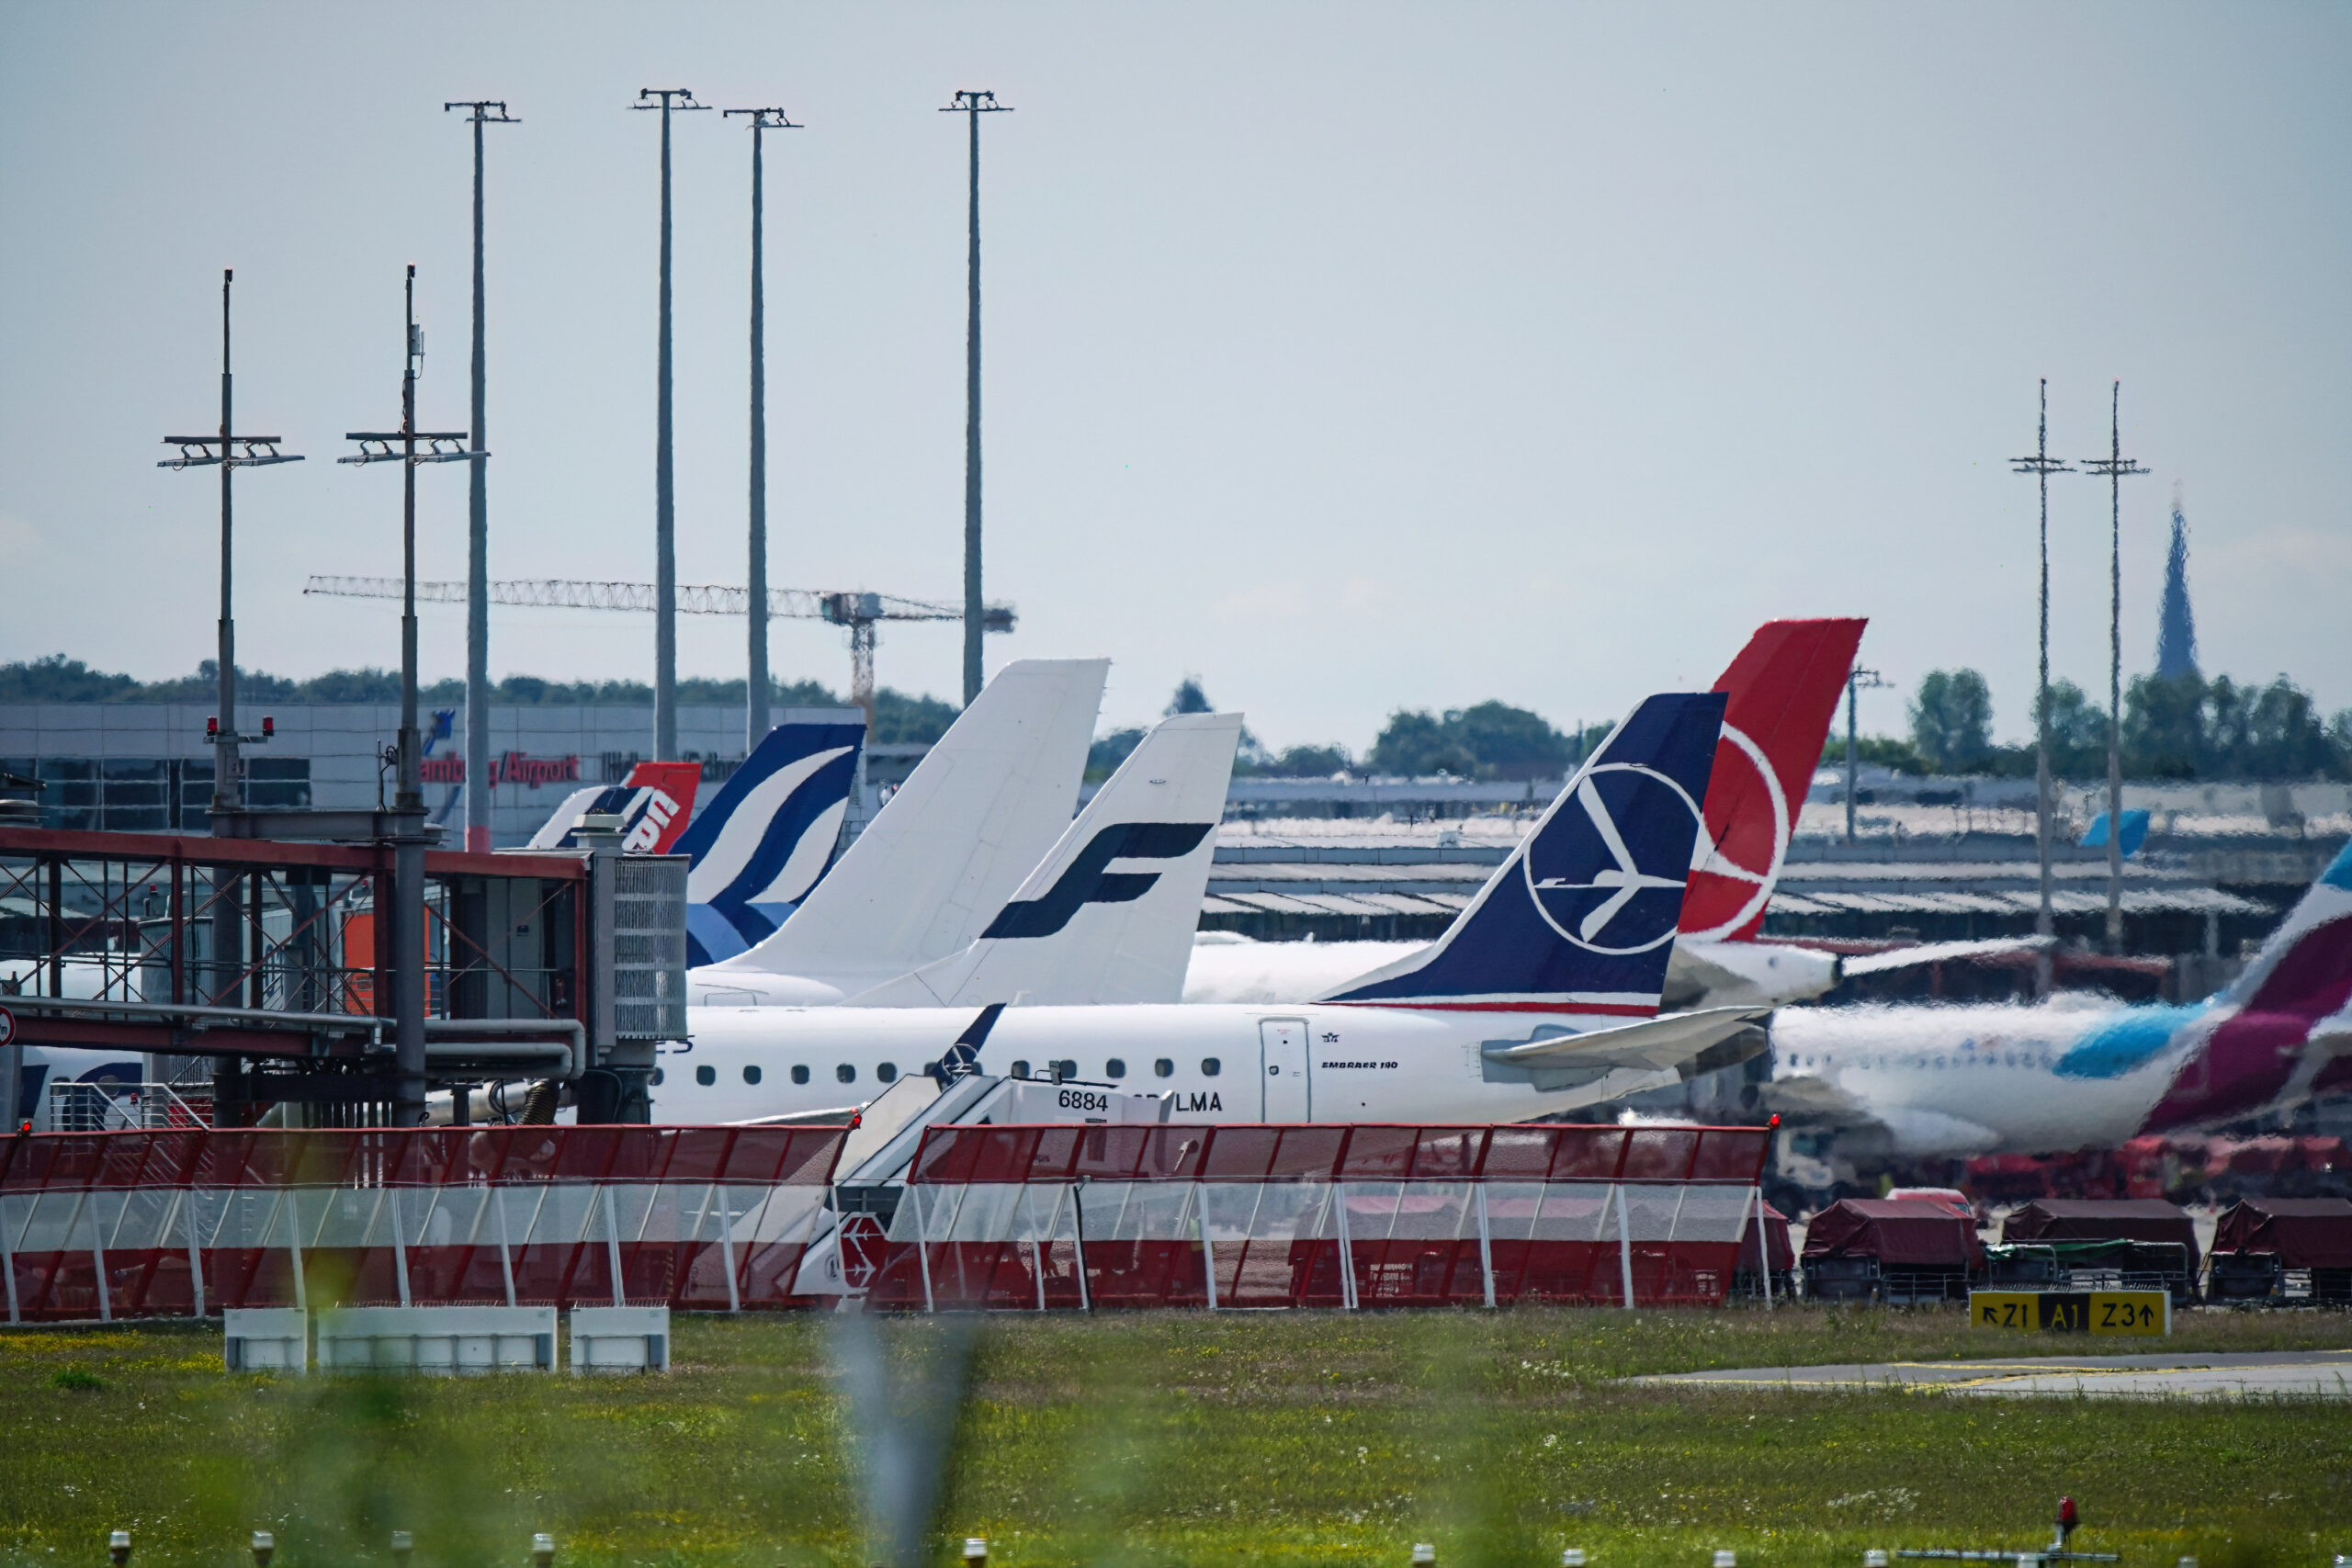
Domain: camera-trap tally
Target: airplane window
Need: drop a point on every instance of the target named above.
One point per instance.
(706, 1074)
(751, 1074)
(846, 1073)
(1020, 1069)
(1163, 1068)
(1115, 1069)
(800, 1074)
(656, 1079)
(887, 1071)
(1211, 1067)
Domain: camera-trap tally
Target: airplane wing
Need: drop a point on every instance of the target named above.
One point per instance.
(1941, 953)
(1668, 1040)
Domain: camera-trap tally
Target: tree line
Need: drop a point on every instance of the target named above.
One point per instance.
(2185, 728)
(899, 717)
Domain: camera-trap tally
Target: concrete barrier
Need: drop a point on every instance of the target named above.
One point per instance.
(620, 1339)
(442, 1339)
(272, 1339)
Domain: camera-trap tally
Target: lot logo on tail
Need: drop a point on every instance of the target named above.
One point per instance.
(1587, 883)
(1089, 880)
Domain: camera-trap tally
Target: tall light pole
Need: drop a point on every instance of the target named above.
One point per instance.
(1857, 679)
(229, 452)
(2043, 465)
(2115, 466)
(665, 555)
(755, 682)
(477, 785)
(408, 838)
(973, 105)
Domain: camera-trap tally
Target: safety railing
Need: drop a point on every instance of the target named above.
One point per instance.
(147, 1224)
(1337, 1216)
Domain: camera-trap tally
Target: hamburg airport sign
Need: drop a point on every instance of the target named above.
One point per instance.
(513, 768)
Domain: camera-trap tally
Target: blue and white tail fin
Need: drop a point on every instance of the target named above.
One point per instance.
(948, 848)
(1582, 917)
(763, 842)
(1108, 916)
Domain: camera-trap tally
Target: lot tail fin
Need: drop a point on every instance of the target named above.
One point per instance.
(768, 837)
(947, 849)
(1108, 916)
(1782, 695)
(1582, 917)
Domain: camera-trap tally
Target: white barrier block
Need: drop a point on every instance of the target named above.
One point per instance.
(620, 1339)
(272, 1339)
(438, 1339)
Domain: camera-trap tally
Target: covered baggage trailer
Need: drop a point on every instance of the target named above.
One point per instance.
(2160, 1250)
(1890, 1250)
(2274, 1249)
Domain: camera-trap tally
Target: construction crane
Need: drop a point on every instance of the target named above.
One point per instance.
(860, 611)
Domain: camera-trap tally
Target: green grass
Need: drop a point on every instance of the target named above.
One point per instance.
(1173, 1437)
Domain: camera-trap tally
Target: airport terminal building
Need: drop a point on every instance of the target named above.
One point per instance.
(147, 768)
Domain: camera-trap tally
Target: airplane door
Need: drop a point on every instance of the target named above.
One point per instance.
(1283, 1061)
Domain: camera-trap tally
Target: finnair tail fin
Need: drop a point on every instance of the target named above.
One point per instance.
(949, 848)
(654, 805)
(1782, 694)
(1079, 932)
(763, 842)
(1582, 917)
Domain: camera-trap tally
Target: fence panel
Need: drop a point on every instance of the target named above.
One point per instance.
(142, 1224)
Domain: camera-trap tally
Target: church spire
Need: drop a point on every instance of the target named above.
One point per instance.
(2176, 631)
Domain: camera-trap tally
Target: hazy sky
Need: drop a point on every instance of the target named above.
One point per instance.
(1348, 355)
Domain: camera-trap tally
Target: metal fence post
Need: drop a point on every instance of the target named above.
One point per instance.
(1486, 1245)
(1347, 1248)
(923, 1244)
(399, 1246)
(1624, 1245)
(1208, 1248)
(505, 1252)
(612, 1238)
(8, 1259)
(1763, 1247)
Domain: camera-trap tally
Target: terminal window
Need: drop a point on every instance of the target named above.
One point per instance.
(151, 795)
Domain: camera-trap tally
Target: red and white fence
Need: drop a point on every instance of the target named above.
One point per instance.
(1334, 1216)
(146, 1224)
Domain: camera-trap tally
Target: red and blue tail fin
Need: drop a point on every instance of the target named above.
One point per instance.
(1582, 917)
(1782, 692)
(768, 837)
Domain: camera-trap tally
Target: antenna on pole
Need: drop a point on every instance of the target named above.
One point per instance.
(2116, 466)
(755, 682)
(2043, 465)
(974, 104)
(476, 783)
(665, 554)
(1857, 680)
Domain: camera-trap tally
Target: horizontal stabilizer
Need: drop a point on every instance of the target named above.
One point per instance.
(1658, 1042)
(1898, 958)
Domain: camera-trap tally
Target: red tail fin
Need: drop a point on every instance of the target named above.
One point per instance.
(676, 780)
(1783, 687)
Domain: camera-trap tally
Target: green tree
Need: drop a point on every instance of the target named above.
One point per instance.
(1952, 720)
(1418, 744)
(1309, 762)
(1508, 742)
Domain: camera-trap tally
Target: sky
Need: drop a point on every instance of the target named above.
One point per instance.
(1349, 356)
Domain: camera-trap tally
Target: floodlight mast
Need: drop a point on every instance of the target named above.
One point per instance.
(1857, 680)
(2116, 466)
(973, 105)
(755, 684)
(665, 554)
(2043, 465)
(477, 779)
(408, 838)
(229, 452)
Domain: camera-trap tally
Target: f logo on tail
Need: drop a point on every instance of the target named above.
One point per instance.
(1591, 888)
(1087, 880)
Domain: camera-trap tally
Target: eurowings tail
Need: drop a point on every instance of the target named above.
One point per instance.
(1109, 915)
(1582, 916)
(768, 837)
(1781, 695)
(950, 846)
(2282, 1031)
(654, 805)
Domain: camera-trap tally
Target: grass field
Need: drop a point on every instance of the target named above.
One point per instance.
(1172, 1437)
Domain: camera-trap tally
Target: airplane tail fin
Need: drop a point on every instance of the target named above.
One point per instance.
(2305, 968)
(1582, 917)
(654, 806)
(950, 846)
(768, 837)
(1109, 915)
(1782, 694)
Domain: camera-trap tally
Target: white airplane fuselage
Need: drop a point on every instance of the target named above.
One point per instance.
(1702, 972)
(2000, 1078)
(1313, 1063)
